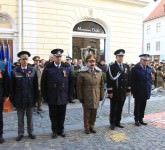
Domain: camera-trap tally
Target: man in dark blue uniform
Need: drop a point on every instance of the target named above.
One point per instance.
(24, 93)
(4, 92)
(70, 64)
(118, 87)
(141, 81)
(56, 87)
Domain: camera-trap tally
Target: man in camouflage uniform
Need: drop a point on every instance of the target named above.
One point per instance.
(90, 90)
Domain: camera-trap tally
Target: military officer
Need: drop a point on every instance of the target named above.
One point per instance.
(56, 86)
(24, 93)
(4, 92)
(118, 87)
(90, 90)
(141, 81)
(39, 70)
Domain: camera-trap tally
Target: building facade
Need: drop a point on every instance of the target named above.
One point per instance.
(105, 25)
(154, 33)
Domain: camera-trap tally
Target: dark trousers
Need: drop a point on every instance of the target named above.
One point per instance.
(57, 117)
(39, 101)
(1, 119)
(29, 114)
(139, 109)
(116, 107)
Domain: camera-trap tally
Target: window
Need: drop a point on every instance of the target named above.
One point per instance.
(4, 22)
(158, 46)
(148, 46)
(158, 26)
(148, 29)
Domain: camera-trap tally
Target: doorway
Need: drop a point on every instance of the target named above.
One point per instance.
(80, 43)
(87, 36)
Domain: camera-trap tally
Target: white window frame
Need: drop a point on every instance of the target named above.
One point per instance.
(157, 46)
(148, 46)
(158, 27)
(148, 29)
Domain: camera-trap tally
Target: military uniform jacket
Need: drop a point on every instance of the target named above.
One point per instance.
(56, 84)
(90, 87)
(141, 82)
(39, 69)
(4, 85)
(24, 87)
(121, 85)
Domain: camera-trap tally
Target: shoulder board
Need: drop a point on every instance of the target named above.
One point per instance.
(49, 65)
(98, 69)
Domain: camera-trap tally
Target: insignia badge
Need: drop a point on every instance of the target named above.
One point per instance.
(18, 75)
(28, 73)
(95, 75)
(65, 74)
(126, 70)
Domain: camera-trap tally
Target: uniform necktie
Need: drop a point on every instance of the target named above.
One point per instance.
(144, 67)
(121, 66)
(23, 70)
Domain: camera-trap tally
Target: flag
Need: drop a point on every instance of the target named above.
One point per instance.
(2, 53)
(9, 64)
(2, 65)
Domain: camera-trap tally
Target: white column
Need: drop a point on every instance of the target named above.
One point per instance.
(20, 5)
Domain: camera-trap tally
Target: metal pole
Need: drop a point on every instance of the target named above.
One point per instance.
(129, 104)
(102, 103)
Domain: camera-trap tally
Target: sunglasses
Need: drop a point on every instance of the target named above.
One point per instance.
(91, 61)
(58, 56)
(24, 58)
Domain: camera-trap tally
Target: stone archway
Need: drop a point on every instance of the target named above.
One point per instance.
(7, 31)
(88, 34)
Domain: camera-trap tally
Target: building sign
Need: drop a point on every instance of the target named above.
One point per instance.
(88, 26)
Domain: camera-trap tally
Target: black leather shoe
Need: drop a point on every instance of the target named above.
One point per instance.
(63, 135)
(119, 126)
(143, 123)
(137, 123)
(19, 138)
(112, 127)
(32, 136)
(92, 130)
(54, 135)
(2, 140)
(87, 131)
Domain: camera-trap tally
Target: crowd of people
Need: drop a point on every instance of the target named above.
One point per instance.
(158, 74)
(57, 82)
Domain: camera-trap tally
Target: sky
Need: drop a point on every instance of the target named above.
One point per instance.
(150, 7)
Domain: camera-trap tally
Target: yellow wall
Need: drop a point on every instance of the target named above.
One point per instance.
(48, 24)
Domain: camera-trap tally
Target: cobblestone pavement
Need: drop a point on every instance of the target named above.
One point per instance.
(151, 137)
